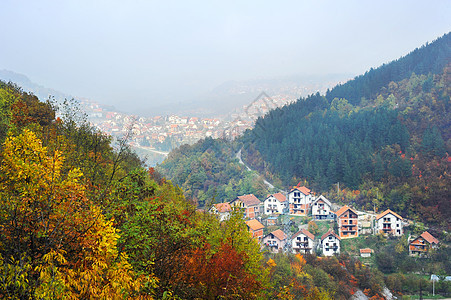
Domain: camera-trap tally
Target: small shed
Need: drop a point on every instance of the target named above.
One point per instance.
(366, 252)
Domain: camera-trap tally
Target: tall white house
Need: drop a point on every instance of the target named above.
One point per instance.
(389, 223)
(330, 243)
(302, 242)
(299, 199)
(275, 204)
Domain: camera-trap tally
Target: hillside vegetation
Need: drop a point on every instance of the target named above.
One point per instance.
(388, 149)
(81, 218)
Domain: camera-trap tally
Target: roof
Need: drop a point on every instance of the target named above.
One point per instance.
(330, 232)
(302, 189)
(254, 224)
(279, 234)
(366, 250)
(343, 209)
(223, 207)
(306, 232)
(279, 196)
(249, 200)
(323, 199)
(429, 238)
(388, 211)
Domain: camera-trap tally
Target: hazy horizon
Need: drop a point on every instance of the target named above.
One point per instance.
(142, 54)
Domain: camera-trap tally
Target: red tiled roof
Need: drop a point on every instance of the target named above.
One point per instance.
(254, 225)
(388, 211)
(249, 200)
(429, 238)
(279, 196)
(366, 250)
(330, 232)
(223, 207)
(302, 189)
(343, 209)
(308, 233)
(304, 231)
(279, 234)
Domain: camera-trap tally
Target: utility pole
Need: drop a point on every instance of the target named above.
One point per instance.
(338, 189)
(433, 287)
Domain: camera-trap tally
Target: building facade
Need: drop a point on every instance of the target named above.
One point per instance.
(348, 223)
(302, 242)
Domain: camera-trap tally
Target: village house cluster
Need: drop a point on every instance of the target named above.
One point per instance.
(300, 201)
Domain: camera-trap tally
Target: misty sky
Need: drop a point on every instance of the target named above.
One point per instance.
(132, 53)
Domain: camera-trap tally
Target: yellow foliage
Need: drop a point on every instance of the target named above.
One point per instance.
(271, 263)
(47, 205)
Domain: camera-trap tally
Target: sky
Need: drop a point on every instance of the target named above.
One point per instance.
(138, 53)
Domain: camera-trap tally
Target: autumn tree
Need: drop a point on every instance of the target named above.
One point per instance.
(53, 240)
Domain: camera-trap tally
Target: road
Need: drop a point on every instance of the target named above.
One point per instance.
(267, 183)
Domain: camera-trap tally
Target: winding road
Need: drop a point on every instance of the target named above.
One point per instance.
(268, 184)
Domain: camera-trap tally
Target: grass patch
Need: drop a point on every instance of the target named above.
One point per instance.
(324, 226)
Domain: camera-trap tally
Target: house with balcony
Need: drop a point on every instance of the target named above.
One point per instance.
(299, 200)
(421, 245)
(321, 209)
(255, 228)
(302, 242)
(348, 223)
(389, 223)
(275, 204)
(330, 243)
(250, 205)
(275, 240)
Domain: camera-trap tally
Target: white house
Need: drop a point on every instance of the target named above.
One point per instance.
(275, 240)
(330, 243)
(302, 242)
(299, 199)
(222, 210)
(275, 204)
(389, 222)
(321, 209)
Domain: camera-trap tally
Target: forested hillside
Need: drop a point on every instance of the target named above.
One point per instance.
(80, 220)
(430, 58)
(387, 150)
(208, 172)
(384, 137)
